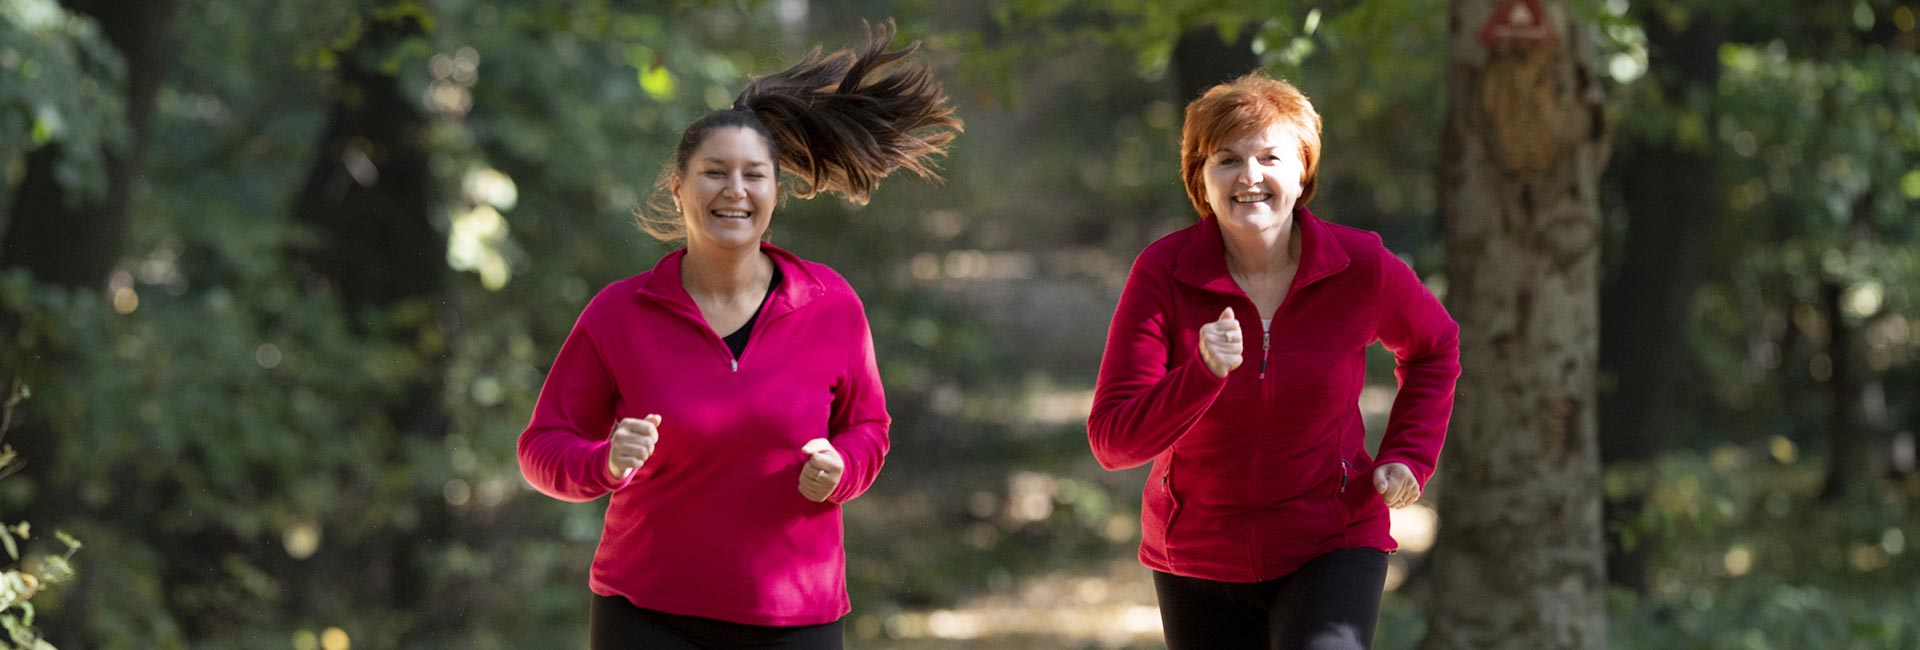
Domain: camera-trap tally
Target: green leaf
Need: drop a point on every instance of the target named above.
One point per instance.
(13, 548)
(658, 82)
(72, 543)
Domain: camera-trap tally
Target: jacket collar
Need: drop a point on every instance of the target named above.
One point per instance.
(798, 286)
(1202, 263)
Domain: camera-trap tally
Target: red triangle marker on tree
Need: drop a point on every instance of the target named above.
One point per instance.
(1518, 23)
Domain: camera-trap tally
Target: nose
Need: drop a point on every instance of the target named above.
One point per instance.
(1254, 170)
(736, 187)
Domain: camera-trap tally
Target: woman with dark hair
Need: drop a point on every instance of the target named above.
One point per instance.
(1234, 364)
(729, 398)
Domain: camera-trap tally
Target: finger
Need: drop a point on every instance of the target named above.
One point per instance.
(637, 427)
(816, 446)
(1380, 483)
(817, 475)
(1226, 316)
(654, 419)
(827, 460)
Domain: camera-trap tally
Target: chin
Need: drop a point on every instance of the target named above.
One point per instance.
(1252, 218)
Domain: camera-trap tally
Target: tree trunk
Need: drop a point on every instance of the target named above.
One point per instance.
(1644, 318)
(1519, 555)
(1644, 314)
(1201, 59)
(369, 200)
(1859, 452)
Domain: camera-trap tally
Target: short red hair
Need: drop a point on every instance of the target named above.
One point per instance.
(1236, 108)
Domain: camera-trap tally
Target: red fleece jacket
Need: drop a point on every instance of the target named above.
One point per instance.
(714, 524)
(1255, 474)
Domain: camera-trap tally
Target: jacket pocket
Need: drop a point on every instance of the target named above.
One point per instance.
(1172, 501)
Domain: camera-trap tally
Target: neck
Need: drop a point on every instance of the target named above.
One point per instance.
(1257, 252)
(714, 272)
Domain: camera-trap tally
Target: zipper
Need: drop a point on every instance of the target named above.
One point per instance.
(1266, 343)
(1343, 476)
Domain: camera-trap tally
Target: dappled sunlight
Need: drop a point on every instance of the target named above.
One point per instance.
(1114, 608)
(1415, 527)
(1376, 401)
(1059, 407)
(972, 265)
(332, 638)
(475, 245)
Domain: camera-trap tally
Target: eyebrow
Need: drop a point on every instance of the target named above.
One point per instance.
(717, 161)
(1222, 150)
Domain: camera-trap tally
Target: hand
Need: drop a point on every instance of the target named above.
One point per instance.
(633, 442)
(1220, 345)
(822, 472)
(1396, 485)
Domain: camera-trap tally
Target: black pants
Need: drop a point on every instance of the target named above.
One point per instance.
(1332, 603)
(615, 623)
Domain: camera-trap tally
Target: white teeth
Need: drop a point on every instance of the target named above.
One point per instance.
(1251, 198)
(738, 214)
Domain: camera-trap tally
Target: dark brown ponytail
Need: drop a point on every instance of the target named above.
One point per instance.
(826, 121)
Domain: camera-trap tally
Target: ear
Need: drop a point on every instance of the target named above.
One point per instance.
(673, 190)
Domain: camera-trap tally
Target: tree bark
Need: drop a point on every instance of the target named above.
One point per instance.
(1519, 555)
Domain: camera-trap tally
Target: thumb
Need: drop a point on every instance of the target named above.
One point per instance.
(1226, 314)
(1380, 480)
(653, 418)
(815, 446)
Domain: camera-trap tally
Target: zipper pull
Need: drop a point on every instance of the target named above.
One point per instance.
(736, 364)
(1343, 476)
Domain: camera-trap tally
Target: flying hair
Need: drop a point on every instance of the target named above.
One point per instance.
(838, 123)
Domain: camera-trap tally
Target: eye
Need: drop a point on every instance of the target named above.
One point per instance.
(756, 175)
(713, 173)
(1272, 159)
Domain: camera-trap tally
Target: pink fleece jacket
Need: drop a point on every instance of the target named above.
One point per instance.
(714, 525)
(1255, 474)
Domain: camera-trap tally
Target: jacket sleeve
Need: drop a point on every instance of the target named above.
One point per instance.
(563, 452)
(1143, 401)
(1425, 343)
(858, 429)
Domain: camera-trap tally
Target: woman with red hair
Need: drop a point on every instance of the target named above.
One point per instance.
(1234, 364)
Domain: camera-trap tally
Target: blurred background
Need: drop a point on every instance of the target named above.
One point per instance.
(280, 281)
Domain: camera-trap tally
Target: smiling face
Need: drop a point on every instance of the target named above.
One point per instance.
(727, 192)
(1252, 180)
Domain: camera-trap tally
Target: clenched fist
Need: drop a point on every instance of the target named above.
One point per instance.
(1220, 345)
(633, 442)
(821, 473)
(1395, 483)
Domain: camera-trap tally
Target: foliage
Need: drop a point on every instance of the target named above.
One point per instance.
(64, 85)
(1749, 557)
(224, 431)
(25, 576)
